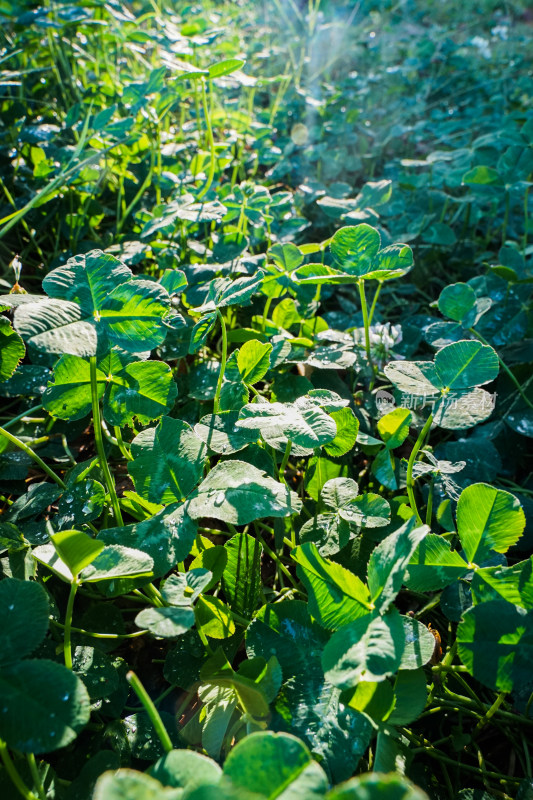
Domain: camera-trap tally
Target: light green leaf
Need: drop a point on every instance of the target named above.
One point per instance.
(221, 434)
(353, 248)
(242, 574)
(367, 511)
(368, 649)
(336, 595)
(225, 67)
(514, 584)
(346, 436)
(376, 786)
(116, 561)
(303, 422)
(128, 784)
(76, 549)
(434, 565)
(466, 364)
(254, 361)
(337, 492)
(12, 349)
(214, 617)
(488, 519)
(185, 769)
(238, 492)
(394, 427)
(410, 692)
(463, 408)
(389, 561)
(419, 378)
(167, 622)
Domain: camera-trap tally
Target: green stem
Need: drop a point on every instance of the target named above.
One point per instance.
(504, 367)
(364, 309)
(97, 425)
(13, 773)
(410, 484)
(265, 313)
(67, 644)
(122, 447)
(212, 155)
(150, 709)
(216, 404)
(83, 632)
(285, 461)
(20, 444)
(21, 416)
(506, 216)
(374, 301)
(37, 782)
(490, 713)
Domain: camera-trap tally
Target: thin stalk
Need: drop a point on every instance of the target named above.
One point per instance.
(122, 447)
(216, 403)
(504, 367)
(97, 425)
(13, 773)
(211, 141)
(274, 556)
(374, 301)
(285, 461)
(37, 782)
(429, 508)
(150, 709)
(94, 635)
(364, 309)
(20, 444)
(265, 313)
(506, 216)
(410, 484)
(490, 713)
(67, 643)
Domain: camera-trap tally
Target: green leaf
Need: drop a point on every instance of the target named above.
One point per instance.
(185, 769)
(87, 280)
(419, 378)
(167, 461)
(25, 610)
(214, 618)
(303, 422)
(12, 349)
(254, 361)
(241, 578)
(320, 470)
(410, 692)
(76, 549)
(201, 331)
(167, 537)
(336, 595)
(419, 644)
(368, 649)
(488, 519)
(238, 492)
(225, 67)
(338, 492)
(96, 670)
(456, 301)
(482, 176)
(80, 503)
(167, 622)
(286, 768)
(375, 786)
(221, 434)
(128, 784)
(366, 511)
(353, 248)
(466, 364)
(389, 561)
(56, 327)
(394, 427)
(44, 706)
(132, 315)
(393, 261)
(463, 409)
(514, 584)
(495, 643)
(346, 436)
(434, 565)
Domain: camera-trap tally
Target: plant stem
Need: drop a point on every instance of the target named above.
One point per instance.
(19, 443)
(212, 155)
(490, 713)
(285, 461)
(83, 632)
(364, 309)
(216, 403)
(37, 782)
(410, 464)
(97, 425)
(13, 773)
(374, 301)
(21, 416)
(67, 644)
(122, 447)
(150, 709)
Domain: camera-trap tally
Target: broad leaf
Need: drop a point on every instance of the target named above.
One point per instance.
(488, 519)
(25, 610)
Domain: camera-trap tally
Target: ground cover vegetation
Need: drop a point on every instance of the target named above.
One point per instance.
(267, 403)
